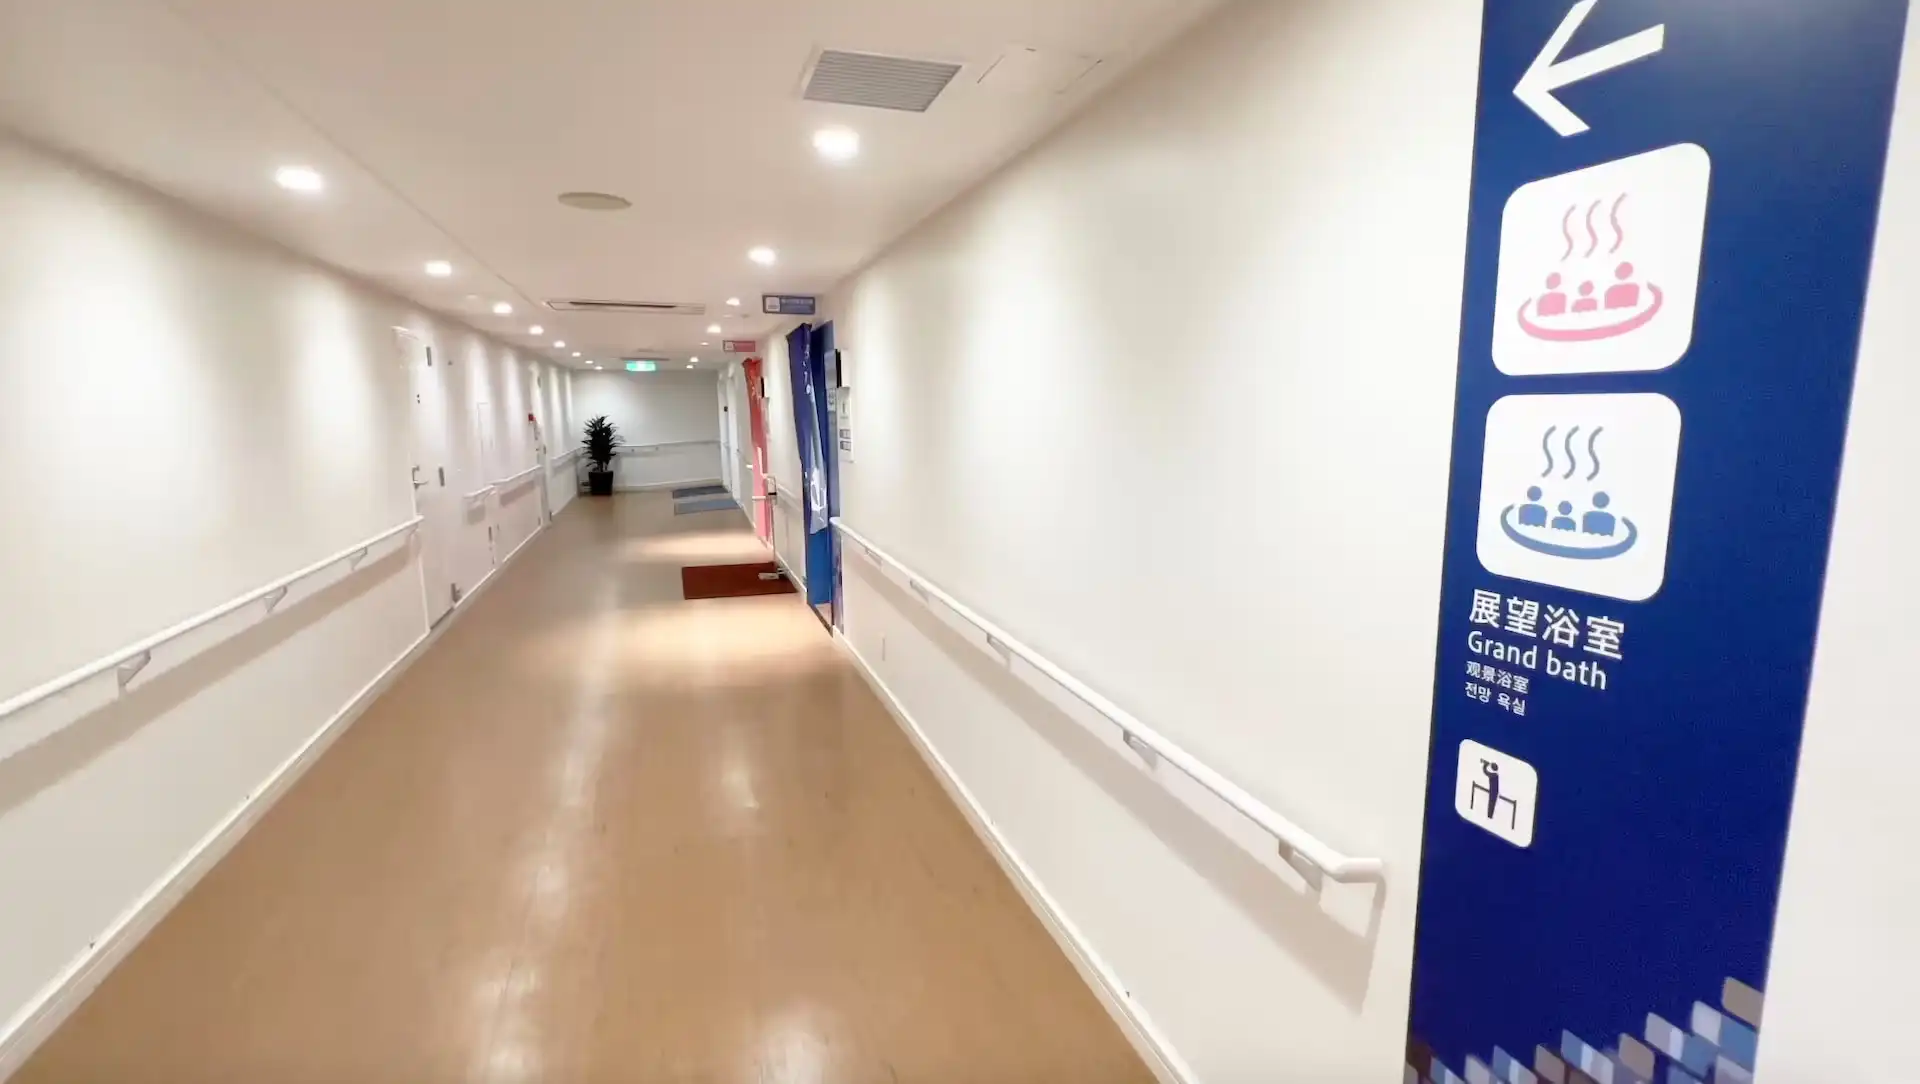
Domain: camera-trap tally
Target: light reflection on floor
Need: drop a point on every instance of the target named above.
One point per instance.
(701, 547)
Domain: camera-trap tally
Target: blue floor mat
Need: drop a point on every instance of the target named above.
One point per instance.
(699, 491)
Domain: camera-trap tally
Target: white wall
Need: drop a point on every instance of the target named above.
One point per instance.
(563, 438)
(740, 404)
(736, 440)
(1121, 400)
(783, 462)
(1841, 989)
(1146, 468)
(190, 414)
(491, 394)
(674, 409)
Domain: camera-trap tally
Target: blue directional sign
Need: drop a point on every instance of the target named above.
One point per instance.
(789, 304)
(1673, 212)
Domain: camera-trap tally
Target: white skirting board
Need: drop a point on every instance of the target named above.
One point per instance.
(793, 577)
(1152, 1046)
(35, 1023)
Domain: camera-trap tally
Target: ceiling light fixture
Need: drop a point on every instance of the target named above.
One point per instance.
(693, 361)
(501, 308)
(837, 144)
(299, 179)
(439, 268)
(536, 330)
(559, 344)
(713, 329)
(595, 201)
(763, 256)
(576, 353)
(734, 301)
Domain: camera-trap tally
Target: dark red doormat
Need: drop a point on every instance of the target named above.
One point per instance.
(733, 581)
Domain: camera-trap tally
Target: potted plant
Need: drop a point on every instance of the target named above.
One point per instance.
(602, 439)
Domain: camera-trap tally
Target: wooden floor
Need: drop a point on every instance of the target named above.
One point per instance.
(598, 833)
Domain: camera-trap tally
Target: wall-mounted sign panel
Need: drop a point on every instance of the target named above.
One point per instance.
(1672, 216)
(789, 304)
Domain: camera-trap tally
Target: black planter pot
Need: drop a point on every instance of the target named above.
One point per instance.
(600, 483)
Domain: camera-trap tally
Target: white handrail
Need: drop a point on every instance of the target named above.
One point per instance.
(560, 460)
(135, 658)
(1142, 738)
(480, 494)
(622, 448)
(509, 483)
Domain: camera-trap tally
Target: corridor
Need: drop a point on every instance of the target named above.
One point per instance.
(1337, 543)
(599, 833)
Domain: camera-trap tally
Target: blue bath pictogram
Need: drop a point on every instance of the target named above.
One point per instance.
(1600, 525)
(1561, 531)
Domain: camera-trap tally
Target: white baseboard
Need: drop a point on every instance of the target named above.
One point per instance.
(1147, 1040)
(511, 554)
(42, 1016)
(794, 577)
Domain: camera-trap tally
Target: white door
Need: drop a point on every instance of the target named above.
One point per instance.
(433, 500)
(488, 456)
(537, 424)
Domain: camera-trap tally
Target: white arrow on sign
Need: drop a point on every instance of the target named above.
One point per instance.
(1549, 73)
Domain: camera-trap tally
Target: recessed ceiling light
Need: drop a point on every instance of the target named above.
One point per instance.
(536, 330)
(595, 201)
(299, 179)
(837, 144)
(706, 344)
(734, 301)
(501, 308)
(692, 362)
(763, 256)
(713, 329)
(559, 344)
(576, 353)
(439, 268)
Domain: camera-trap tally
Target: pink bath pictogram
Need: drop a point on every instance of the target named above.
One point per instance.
(1593, 295)
(1600, 268)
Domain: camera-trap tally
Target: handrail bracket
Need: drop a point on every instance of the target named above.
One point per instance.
(1301, 864)
(130, 669)
(1146, 752)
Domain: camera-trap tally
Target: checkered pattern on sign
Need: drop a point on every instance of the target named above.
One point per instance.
(1716, 1046)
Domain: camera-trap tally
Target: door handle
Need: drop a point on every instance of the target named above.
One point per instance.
(417, 483)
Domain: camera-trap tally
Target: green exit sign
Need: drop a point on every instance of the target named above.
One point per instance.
(642, 366)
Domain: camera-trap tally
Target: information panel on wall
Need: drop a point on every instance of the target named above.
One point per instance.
(1672, 220)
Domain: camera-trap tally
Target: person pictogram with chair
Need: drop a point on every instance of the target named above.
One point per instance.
(1491, 788)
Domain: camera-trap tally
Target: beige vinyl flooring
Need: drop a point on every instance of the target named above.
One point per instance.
(598, 833)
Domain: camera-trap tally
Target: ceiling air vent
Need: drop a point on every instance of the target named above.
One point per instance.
(879, 82)
(628, 308)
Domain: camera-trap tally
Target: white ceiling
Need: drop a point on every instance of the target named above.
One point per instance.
(445, 129)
